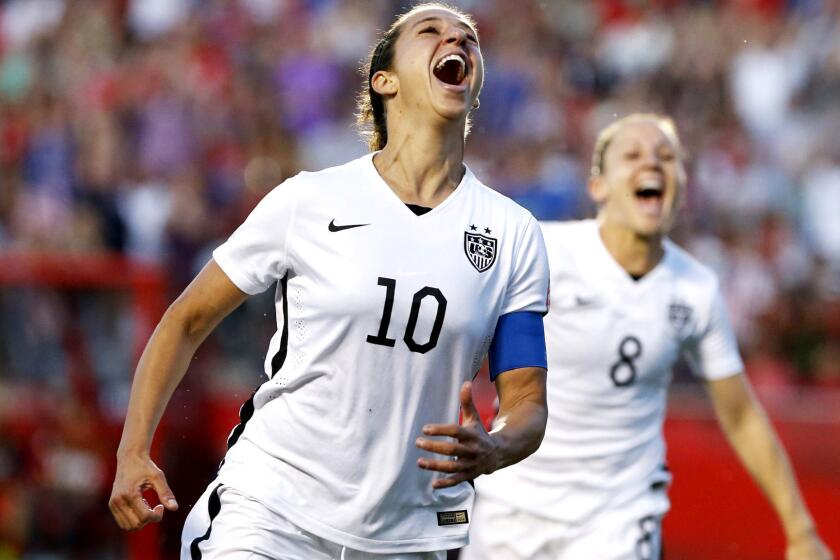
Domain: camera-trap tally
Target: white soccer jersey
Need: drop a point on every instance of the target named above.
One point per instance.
(611, 343)
(382, 315)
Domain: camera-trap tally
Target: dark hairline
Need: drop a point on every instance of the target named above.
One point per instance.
(607, 135)
(461, 21)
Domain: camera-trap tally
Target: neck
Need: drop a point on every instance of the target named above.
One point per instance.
(635, 253)
(422, 165)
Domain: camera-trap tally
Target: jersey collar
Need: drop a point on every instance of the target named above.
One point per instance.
(610, 265)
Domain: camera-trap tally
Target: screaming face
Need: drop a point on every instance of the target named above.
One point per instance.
(437, 65)
(640, 184)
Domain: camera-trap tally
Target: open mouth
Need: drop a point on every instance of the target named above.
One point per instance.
(650, 190)
(451, 70)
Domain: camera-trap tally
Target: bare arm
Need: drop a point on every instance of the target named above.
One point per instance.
(204, 303)
(751, 435)
(520, 427)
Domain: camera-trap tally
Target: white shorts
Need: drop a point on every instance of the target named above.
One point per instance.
(226, 524)
(501, 532)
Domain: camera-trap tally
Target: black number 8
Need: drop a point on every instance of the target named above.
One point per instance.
(623, 372)
(648, 543)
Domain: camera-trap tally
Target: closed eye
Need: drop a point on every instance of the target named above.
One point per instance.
(429, 29)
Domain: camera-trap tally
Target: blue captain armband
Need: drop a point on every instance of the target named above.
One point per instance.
(519, 341)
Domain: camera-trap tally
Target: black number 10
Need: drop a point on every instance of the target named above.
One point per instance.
(381, 337)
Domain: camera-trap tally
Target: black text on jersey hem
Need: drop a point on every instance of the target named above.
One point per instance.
(458, 517)
(333, 228)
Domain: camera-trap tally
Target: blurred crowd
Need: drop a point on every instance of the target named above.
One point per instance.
(152, 127)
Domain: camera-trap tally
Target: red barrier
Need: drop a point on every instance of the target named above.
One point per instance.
(146, 282)
(717, 510)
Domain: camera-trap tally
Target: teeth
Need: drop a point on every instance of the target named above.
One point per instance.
(450, 57)
(651, 184)
(447, 58)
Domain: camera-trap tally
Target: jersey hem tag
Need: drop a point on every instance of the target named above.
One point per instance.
(458, 517)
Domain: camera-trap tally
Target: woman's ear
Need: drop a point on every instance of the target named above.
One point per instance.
(597, 189)
(384, 83)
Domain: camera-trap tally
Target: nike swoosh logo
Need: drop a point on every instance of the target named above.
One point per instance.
(584, 302)
(332, 227)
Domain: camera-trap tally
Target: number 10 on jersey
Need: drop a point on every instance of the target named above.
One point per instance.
(381, 337)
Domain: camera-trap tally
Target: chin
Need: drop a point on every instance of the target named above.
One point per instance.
(452, 111)
(657, 229)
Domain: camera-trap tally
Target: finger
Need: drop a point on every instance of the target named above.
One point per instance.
(133, 522)
(128, 519)
(123, 510)
(165, 494)
(120, 518)
(145, 514)
(450, 481)
(453, 449)
(446, 466)
(468, 410)
(451, 430)
(157, 513)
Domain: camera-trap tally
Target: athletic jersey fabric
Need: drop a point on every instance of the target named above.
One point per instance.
(611, 343)
(381, 316)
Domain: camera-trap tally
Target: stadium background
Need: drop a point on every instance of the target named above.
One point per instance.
(136, 134)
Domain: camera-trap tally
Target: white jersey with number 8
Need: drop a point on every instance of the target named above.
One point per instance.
(612, 342)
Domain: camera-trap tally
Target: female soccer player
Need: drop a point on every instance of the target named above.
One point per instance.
(395, 273)
(625, 304)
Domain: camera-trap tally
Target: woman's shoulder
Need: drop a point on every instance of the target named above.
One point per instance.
(567, 229)
(313, 184)
(499, 201)
(689, 269)
(355, 168)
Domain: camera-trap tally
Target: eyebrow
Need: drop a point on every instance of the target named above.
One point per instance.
(635, 142)
(462, 24)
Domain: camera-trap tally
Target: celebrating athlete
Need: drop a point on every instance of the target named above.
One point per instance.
(395, 274)
(626, 302)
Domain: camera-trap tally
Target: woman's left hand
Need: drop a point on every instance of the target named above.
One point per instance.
(471, 451)
(808, 547)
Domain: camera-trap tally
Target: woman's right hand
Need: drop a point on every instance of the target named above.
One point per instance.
(134, 475)
(203, 304)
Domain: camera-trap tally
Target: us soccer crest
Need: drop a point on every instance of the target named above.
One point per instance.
(679, 315)
(480, 250)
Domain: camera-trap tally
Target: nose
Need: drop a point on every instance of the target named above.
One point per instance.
(455, 35)
(651, 159)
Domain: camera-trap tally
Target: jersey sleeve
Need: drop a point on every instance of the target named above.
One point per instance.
(528, 287)
(255, 256)
(713, 354)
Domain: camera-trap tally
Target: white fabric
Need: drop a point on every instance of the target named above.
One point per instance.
(244, 529)
(627, 531)
(331, 444)
(602, 436)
